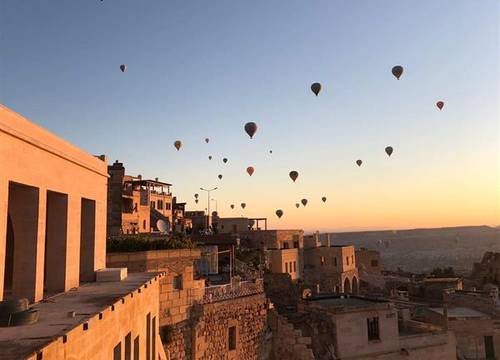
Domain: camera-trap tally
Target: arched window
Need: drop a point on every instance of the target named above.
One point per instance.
(347, 286)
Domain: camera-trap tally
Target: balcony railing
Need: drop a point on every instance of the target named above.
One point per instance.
(231, 291)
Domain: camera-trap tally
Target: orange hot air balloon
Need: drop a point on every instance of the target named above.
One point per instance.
(250, 170)
(178, 144)
(220, 177)
(304, 202)
(243, 205)
(323, 199)
(293, 175)
(440, 105)
(359, 162)
(251, 129)
(279, 213)
(232, 206)
(397, 71)
(389, 150)
(297, 205)
(316, 88)
(123, 67)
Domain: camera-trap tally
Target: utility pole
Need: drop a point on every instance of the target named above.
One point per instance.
(208, 203)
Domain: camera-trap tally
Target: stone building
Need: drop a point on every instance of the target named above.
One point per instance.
(56, 297)
(135, 204)
(198, 321)
(288, 261)
(332, 268)
(354, 327)
(272, 239)
(488, 270)
(369, 262)
(199, 220)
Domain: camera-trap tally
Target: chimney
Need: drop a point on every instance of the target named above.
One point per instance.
(156, 179)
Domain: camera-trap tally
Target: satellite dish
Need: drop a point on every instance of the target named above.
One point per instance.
(162, 226)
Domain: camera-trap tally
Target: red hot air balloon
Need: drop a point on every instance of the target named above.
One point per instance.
(279, 213)
(220, 177)
(178, 144)
(293, 175)
(316, 88)
(250, 170)
(440, 105)
(389, 150)
(359, 162)
(397, 71)
(123, 67)
(251, 129)
(304, 202)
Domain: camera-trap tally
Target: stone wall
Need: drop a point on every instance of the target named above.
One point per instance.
(288, 342)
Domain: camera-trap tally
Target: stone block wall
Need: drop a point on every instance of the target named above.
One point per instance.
(288, 342)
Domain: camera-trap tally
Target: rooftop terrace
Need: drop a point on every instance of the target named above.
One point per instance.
(87, 301)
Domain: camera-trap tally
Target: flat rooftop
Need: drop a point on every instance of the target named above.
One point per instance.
(461, 312)
(347, 302)
(86, 301)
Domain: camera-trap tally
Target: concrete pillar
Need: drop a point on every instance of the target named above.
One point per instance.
(72, 278)
(4, 195)
(56, 249)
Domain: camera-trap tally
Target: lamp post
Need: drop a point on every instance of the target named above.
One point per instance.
(208, 201)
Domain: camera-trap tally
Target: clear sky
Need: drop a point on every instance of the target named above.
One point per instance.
(202, 68)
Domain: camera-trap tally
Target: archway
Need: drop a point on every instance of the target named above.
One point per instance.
(347, 286)
(355, 285)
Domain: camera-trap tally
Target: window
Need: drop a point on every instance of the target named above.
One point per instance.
(285, 245)
(374, 263)
(128, 346)
(335, 261)
(286, 267)
(323, 260)
(154, 338)
(178, 282)
(352, 259)
(136, 348)
(232, 338)
(294, 266)
(144, 224)
(347, 259)
(159, 205)
(152, 204)
(167, 206)
(117, 352)
(373, 329)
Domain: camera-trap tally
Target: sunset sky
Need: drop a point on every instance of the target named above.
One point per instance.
(202, 68)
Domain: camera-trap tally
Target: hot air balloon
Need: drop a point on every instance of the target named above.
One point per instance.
(270, 151)
(297, 205)
(389, 150)
(279, 213)
(196, 196)
(209, 157)
(232, 206)
(359, 162)
(196, 201)
(397, 71)
(219, 176)
(440, 105)
(323, 199)
(304, 202)
(251, 129)
(243, 205)
(207, 140)
(123, 67)
(178, 144)
(224, 160)
(250, 170)
(293, 175)
(316, 88)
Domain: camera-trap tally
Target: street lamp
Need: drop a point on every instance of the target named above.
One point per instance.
(208, 201)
